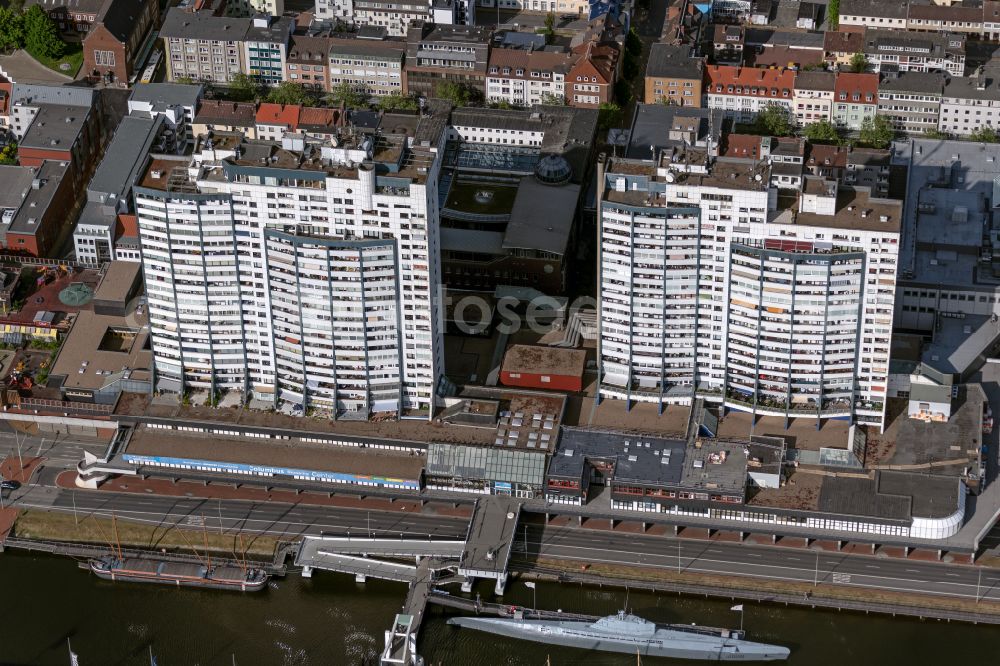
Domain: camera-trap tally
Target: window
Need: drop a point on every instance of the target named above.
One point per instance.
(104, 58)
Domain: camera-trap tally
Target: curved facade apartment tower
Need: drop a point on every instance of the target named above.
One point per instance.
(303, 274)
(709, 288)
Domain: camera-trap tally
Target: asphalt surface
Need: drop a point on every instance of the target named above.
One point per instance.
(775, 563)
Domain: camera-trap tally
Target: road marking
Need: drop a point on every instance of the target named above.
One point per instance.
(841, 578)
(871, 566)
(912, 571)
(753, 555)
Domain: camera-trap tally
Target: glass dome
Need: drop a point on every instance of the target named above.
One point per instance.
(553, 170)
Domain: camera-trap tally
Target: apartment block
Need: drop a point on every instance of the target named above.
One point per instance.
(970, 104)
(445, 53)
(672, 75)
(324, 260)
(707, 289)
(911, 101)
(740, 92)
(307, 62)
(372, 64)
(907, 51)
(527, 77)
(266, 44)
(855, 99)
(203, 47)
(859, 14)
(813, 100)
(116, 39)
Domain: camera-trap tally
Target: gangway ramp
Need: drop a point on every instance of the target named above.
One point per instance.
(381, 547)
(360, 567)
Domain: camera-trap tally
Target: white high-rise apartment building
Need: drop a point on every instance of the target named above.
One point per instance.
(300, 272)
(707, 289)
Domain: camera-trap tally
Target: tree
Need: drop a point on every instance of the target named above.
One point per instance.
(833, 14)
(455, 93)
(288, 92)
(859, 63)
(346, 94)
(8, 155)
(41, 36)
(633, 45)
(773, 120)
(821, 131)
(550, 23)
(398, 102)
(553, 99)
(985, 134)
(609, 115)
(244, 88)
(501, 104)
(11, 30)
(934, 134)
(876, 132)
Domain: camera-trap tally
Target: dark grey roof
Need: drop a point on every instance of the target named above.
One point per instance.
(925, 83)
(391, 49)
(52, 94)
(891, 495)
(896, 9)
(673, 61)
(55, 127)
(970, 87)
(815, 80)
(180, 24)
(277, 30)
(161, 95)
(771, 37)
(85, 6)
(659, 463)
(124, 158)
(651, 122)
(36, 201)
(14, 184)
(542, 216)
(935, 43)
(120, 17)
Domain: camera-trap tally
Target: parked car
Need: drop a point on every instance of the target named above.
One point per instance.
(9, 484)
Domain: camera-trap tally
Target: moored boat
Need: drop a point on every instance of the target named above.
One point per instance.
(180, 574)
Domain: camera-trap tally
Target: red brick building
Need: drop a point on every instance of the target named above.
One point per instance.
(591, 81)
(39, 201)
(116, 38)
(542, 367)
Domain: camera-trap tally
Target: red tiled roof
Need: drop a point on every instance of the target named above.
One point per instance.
(741, 145)
(316, 117)
(830, 156)
(127, 226)
(843, 42)
(749, 81)
(864, 85)
(278, 114)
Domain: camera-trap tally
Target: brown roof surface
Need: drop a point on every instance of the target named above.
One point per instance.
(278, 114)
(312, 117)
(530, 61)
(784, 56)
(843, 42)
(544, 360)
(942, 13)
(302, 48)
(863, 84)
(741, 145)
(823, 155)
(221, 112)
(856, 210)
(774, 82)
(83, 346)
(254, 451)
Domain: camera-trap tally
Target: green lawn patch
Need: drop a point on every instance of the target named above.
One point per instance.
(69, 64)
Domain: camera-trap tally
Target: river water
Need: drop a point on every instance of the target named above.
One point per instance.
(331, 620)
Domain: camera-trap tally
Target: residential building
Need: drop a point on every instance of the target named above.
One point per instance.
(74, 18)
(813, 99)
(62, 133)
(911, 101)
(250, 8)
(334, 11)
(907, 51)
(727, 44)
(109, 193)
(731, 11)
(324, 270)
(826, 161)
(27, 98)
(203, 47)
(38, 201)
(273, 121)
(839, 47)
(672, 74)
(855, 99)
(859, 14)
(445, 53)
(308, 61)
(116, 39)
(374, 65)
(770, 311)
(991, 20)
(809, 15)
(961, 18)
(266, 44)
(453, 12)
(225, 116)
(869, 168)
(969, 104)
(395, 17)
(740, 92)
(527, 77)
(177, 104)
(592, 78)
